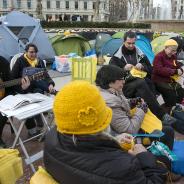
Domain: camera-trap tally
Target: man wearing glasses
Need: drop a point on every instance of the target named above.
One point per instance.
(165, 66)
(30, 59)
(129, 56)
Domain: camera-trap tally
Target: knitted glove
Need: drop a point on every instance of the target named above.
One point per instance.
(143, 106)
(134, 101)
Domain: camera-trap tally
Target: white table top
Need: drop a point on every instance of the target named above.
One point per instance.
(31, 110)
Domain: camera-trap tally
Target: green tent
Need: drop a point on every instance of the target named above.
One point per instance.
(72, 43)
(118, 34)
(158, 43)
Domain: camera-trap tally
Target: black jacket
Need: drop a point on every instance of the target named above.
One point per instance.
(121, 58)
(17, 71)
(5, 73)
(93, 160)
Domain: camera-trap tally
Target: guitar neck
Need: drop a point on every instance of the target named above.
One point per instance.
(10, 83)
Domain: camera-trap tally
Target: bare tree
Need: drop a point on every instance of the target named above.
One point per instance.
(39, 10)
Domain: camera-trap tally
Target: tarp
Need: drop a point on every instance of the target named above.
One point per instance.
(178, 149)
(145, 46)
(16, 30)
(110, 47)
(73, 43)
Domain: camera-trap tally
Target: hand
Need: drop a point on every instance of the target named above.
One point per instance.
(128, 67)
(25, 82)
(51, 89)
(139, 66)
(138, 148)
(124, 138)
(179, 72)
(143, 106)
(139, 100)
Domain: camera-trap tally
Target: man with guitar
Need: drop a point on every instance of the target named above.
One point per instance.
(25, 66)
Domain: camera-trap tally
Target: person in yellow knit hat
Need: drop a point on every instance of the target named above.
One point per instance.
(80, 149)
(165, 66)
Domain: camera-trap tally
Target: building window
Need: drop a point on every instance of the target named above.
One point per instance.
(4, 4)
(48, 17)
(85, 5)
(48, 4)
(67, 4)
(29, 4)
(94, 5)
(57, 4)
(18, 4)
(76, 5)
(85, 17)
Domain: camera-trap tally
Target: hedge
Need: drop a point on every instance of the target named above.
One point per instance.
(58, 24)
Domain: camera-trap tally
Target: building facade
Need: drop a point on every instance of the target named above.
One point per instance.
(177, 9)
(60, 10)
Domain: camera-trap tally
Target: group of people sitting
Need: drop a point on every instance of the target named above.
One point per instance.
(93, 122)
(26, 60)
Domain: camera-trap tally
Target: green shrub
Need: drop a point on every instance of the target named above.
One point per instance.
(58, 24)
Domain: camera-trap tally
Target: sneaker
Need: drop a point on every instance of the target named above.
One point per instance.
(168, 120)
(33, 132)
(2, 144)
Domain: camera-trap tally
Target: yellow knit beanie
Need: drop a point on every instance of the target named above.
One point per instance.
(79, 109)
(170, 42)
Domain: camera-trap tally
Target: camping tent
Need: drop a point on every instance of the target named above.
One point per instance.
(118, 34)
(158, 43)
(144, 45)
(101, 39)
(110, 47)
(16, 30)
(72, 43)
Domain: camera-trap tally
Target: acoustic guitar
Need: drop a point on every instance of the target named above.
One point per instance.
(35, 77)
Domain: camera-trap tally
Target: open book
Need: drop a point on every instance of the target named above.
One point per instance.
(15, 101)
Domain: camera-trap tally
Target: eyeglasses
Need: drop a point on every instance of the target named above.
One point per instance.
(32, 52)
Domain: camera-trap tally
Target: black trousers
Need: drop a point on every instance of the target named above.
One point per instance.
(168, 138)
(30, 123)
(3, 120)
(144, 89)
(172, 93)
(33, 122)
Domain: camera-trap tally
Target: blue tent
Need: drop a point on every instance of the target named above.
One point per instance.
(111, 46)
(16, 30)
(145, 46)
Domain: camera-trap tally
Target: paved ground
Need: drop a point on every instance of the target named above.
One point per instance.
(35, 146)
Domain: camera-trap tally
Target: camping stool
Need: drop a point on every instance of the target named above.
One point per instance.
(84, 69)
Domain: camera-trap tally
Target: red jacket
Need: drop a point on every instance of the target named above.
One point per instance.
(164, 67)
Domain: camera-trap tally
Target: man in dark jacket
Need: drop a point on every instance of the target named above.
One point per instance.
(129, 56)
(30, 59)
(81, 150)
(4, 76)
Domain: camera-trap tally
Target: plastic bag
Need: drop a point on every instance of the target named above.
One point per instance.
(62, 64)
